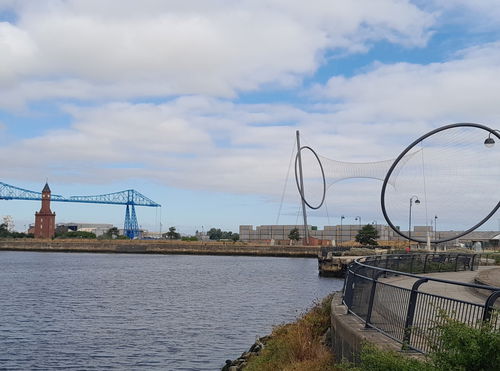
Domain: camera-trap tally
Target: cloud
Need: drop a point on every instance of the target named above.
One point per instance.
(89, 50)
(462, 89)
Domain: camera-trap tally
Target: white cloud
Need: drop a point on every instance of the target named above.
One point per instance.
(463, 89)
(121, 49)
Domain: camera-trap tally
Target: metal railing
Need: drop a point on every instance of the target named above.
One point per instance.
(374, 292)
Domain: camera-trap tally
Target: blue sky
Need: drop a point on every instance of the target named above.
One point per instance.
(195, 104)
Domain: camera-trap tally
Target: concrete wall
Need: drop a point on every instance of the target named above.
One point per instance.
(158, 247)
(349, 333)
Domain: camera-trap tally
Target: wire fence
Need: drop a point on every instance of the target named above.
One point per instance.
(410, 315)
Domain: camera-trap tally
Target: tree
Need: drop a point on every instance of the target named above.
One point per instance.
(111, 234)
(294, 234)
(4, 232)
(218, 234)
(172, 234)
(367, 235)
(214, 234)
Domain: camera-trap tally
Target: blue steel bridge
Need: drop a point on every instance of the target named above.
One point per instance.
(130, 198)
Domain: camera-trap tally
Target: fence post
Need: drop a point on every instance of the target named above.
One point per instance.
(372, 296)
(411, 262)
(410, 314)
(488, 306)
(349, 285)
(425, 262)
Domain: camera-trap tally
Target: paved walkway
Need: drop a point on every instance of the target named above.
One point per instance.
(464, 293)
(489, 277)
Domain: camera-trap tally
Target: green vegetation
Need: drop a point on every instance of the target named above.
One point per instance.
(76, 234)
(172, 234)
(112, 234)
(466, 348)
(217, 234)
(461, 348)
(492, 255)
(5, 233)
(297, 346)
(191, 238)
(367, 236)
(294, 234)
(374, 359)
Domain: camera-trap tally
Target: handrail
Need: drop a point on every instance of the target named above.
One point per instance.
(397, 311)
(400, 273)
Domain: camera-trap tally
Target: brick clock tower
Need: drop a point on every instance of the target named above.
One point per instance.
(45, 220)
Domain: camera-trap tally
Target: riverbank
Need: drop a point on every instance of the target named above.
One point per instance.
(300, 345)
(158, 247)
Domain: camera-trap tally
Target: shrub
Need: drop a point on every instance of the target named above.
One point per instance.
(459, 347)
(462, 347)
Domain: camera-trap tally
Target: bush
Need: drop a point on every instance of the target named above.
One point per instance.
(76, 234)
(374, 359)
(459, 347)
(462, 347)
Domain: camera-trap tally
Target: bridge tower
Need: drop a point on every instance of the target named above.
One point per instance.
(45, 219)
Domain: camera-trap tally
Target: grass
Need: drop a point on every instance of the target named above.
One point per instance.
(297, 346)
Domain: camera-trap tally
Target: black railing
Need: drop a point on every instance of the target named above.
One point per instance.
(374, 291)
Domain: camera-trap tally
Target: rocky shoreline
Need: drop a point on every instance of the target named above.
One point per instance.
(239, 363)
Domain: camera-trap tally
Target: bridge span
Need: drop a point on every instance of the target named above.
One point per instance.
(130, 198)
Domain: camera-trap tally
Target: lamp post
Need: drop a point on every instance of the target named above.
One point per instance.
(417, 201)
(374, 222)
(359, 219)
(340, 239)
(435, 232)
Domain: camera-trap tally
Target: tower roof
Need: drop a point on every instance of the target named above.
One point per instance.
(46, 188)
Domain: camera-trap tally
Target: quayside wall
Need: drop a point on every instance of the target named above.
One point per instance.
(157, 247)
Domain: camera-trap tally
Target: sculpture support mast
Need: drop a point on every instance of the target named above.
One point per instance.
(302, 194)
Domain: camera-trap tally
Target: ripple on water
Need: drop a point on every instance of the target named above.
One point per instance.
(129, 312)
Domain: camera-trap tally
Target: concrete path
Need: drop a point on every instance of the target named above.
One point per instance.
(489, 277)
(452, 291)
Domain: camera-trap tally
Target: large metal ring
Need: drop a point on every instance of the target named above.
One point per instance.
(391, 169)
(301, 191)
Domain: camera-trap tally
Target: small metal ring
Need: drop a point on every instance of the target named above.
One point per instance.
(301, 191)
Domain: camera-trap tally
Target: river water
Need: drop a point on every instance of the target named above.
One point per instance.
(129, 312)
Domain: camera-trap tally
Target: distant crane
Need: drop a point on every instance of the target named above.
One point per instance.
(129, 197)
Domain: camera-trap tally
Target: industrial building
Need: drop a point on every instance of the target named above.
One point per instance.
(342, 234)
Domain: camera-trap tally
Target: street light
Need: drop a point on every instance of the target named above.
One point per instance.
(374, 222)
(341, 219)
(435, 232)
(489, 142)
(417, 201)
(358, 218)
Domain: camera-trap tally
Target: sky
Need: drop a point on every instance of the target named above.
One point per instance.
(195, 104)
